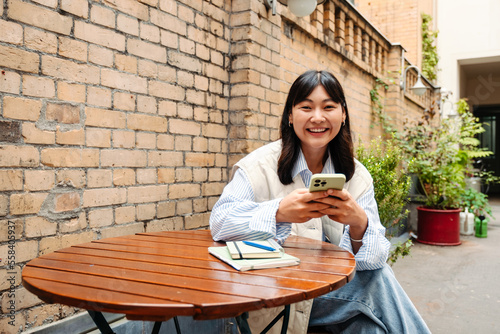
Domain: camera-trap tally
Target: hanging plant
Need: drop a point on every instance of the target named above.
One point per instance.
(430, 57)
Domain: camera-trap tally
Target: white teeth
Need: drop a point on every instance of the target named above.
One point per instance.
(317, 130)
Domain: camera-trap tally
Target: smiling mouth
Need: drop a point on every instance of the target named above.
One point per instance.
(317, 130)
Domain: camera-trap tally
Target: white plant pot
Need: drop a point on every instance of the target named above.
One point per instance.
(466, 223)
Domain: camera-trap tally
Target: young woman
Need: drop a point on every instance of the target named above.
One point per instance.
(268, 198)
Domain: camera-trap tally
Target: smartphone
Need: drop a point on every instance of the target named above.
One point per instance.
(320, 182)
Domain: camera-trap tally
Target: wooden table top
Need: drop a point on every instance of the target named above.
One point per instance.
(156, 276)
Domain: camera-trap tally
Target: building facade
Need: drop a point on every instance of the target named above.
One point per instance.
(118, 117)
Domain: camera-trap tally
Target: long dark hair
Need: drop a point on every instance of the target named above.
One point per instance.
(340, 147)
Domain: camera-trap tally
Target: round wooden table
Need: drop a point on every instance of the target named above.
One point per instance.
(157, 276)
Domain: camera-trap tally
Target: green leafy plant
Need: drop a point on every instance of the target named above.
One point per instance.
(469, 129)
(391, 185)
(378, 105)
(476, 202)
(430, 57)
(433, 155)
(470, 145)
(401, 250)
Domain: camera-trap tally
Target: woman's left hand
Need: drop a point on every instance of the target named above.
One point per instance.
(344, 209)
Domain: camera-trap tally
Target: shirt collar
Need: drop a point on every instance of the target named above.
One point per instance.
(301, 165)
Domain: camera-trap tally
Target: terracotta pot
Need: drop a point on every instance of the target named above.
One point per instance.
(439, 227)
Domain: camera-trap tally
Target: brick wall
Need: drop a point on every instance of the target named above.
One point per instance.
(400, 21)
(119, 117)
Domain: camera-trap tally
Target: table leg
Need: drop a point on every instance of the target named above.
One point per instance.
(156, 327)
(286, 317)
(242, 322)
(100, 322)
(177, 327)
(245, 329)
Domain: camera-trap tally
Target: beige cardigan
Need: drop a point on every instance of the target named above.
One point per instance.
(260, 167)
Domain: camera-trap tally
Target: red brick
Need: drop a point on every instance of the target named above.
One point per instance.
(66, 202)
(63, 113)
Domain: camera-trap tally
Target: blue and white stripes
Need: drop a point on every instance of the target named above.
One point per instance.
(237, 216)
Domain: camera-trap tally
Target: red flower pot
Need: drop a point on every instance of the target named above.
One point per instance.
(439, 227)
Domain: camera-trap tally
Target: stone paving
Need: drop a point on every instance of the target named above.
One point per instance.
(456, 288)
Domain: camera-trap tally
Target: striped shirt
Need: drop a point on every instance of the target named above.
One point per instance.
(237, 216)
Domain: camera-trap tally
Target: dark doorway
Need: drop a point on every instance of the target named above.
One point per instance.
(490, 140)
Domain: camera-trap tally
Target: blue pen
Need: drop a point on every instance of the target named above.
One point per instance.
(254, 244)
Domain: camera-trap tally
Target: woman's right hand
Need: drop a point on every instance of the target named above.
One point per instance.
(299, 206)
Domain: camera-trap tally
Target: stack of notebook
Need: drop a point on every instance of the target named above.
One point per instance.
(255, 254)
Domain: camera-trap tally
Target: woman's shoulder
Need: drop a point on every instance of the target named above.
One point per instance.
(361, 181)
(268, 153)
(362, 171)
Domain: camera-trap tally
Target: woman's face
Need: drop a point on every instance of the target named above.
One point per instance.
(316, 120)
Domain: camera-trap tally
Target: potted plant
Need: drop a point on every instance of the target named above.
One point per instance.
(477, 204)
(433, 155)
(383, 159)
(441, 155)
